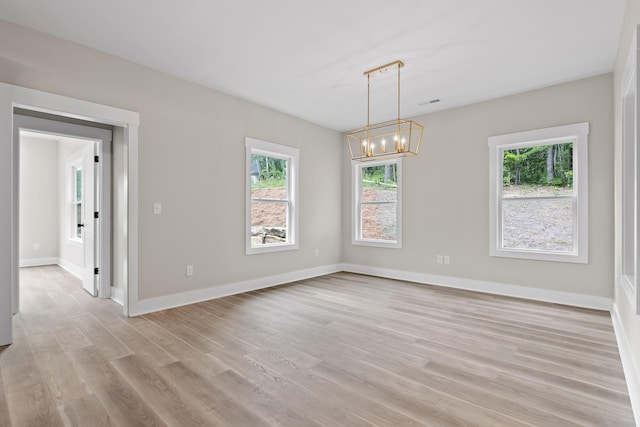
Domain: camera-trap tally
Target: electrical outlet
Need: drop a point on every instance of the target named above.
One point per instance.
(439, 259)
(157, 208)
(36, 246)
(317, 252)
(189, 270)
(447, 259)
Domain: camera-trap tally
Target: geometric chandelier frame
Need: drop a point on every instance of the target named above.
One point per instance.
(390, 139)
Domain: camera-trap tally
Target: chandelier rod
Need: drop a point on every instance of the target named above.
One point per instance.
(368, 99)
(381, 69)
(399, 92)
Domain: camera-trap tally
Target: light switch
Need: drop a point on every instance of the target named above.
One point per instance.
(157, 208)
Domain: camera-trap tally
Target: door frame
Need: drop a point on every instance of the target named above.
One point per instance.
(104, 139)
(11, 97)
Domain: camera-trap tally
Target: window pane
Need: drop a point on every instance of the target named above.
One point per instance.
(379, 221)
(268, 222)
(379, 183)
(538, 171)
(78, 184)
(275, 192)
(268, 177)
(268, 219)
(545, 224)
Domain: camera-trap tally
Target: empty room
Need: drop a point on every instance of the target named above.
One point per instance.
(319, 213)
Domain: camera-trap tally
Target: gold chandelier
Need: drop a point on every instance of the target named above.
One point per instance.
(395, 138)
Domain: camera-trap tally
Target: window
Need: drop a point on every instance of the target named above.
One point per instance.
(75, 199)
(377, 210)
(272, 193)
(538, 190)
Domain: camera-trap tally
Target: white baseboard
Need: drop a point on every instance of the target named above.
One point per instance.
(71, 268)
(631, 372)
(537, 294)
(117, 294)
(176, 300)
(35, 262)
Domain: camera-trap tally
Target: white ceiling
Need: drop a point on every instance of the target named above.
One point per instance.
(307, 58)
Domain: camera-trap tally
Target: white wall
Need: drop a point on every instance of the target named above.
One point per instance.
(630, 321)
(191, 150)
(39, 215)
(446, 193)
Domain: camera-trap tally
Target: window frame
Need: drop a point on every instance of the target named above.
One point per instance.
(72, 221)
(356, 217)
(292, 156)
(576, 133)
(629, 244)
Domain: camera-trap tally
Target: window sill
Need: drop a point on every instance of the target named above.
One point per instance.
(392, 244)
(541, 256)
(253, 250)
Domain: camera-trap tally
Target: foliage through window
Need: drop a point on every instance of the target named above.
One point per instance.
(537, 198)
(271, 202)
(377, 208)
(538, 205)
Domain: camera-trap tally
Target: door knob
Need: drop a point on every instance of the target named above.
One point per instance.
(80, 225)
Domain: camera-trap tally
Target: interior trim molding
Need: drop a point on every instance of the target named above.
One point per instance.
(37, 262)
(191, 297)
(71, 268)
(117, 294)
(537, 294)
(631, 373)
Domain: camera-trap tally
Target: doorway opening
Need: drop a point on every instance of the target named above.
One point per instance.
(65, 185)
(125, 130)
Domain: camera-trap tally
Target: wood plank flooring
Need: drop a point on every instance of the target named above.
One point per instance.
(338, 350)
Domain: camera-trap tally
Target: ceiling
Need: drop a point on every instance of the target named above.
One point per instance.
(307, 58)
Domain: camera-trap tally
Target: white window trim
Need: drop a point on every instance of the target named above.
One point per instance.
(630, 176)
(72, 164)
(256, 146)
(356, 222)
(578, 133)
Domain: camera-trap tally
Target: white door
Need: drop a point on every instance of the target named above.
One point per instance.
(89, 222)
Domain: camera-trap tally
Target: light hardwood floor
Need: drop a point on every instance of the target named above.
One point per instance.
(342, 349)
